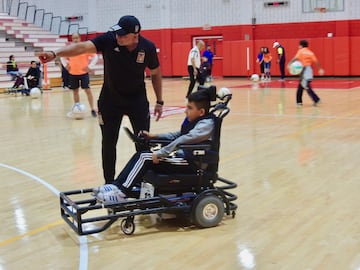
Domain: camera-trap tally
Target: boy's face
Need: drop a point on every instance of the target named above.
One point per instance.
(192, 112)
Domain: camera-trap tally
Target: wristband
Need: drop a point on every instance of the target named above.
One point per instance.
(160, 102)
(53, 53)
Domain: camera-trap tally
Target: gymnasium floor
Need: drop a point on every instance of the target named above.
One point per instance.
(296, 170)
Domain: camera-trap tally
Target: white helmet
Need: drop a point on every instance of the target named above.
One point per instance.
(276, 44)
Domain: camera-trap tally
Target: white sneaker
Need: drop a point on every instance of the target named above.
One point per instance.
(114, 196)
(105, 188)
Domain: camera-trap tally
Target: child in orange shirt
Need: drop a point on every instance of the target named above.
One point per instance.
(267, 64)
(307, 58)
(78, 68)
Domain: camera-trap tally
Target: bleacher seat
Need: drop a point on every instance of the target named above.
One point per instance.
(22, 39)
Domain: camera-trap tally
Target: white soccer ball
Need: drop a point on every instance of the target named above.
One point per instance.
(255, 78)
(78, 111)
(35, 92)
(295, 68)
(223, 91)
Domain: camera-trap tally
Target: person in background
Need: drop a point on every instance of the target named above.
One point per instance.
(12, 68)
(78, 68)
(267, 64)
(307, 59)
(280, 59)
(209, 55)
(260, 60)
(32, 76)
(194, 62)
(205, 70)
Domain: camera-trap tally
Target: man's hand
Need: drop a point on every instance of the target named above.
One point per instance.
(45, 57)
(146, 135)
(158, 111)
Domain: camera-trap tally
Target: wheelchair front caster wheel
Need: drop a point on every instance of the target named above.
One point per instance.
(127, 226)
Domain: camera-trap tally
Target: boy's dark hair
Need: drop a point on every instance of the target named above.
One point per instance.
(32, 62)
(11, 56)
(201, 99)
(304, 43)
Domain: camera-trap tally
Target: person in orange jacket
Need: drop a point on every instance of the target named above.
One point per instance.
(267, 64)
(307, 59)
(78, 68)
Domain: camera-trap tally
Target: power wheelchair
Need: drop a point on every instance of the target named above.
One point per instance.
(197, 196)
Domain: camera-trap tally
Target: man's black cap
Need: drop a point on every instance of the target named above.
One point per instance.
(126, 25)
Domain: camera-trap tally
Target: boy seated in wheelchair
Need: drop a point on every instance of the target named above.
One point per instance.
(197, 128)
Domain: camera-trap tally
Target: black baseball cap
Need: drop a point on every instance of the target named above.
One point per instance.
(126, 25)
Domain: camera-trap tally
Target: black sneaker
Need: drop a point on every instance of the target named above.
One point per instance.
(299, 104)
(317, 103)
(93, 113)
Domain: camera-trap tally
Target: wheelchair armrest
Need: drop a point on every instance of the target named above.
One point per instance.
(197, 149)
(161, 142)
(195, 146)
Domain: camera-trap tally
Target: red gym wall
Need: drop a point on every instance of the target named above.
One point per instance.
(339, 55)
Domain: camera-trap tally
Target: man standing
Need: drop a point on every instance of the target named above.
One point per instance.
(194, 62)
(126, 55)
(281, 59)
(78, 68)
(307, 58)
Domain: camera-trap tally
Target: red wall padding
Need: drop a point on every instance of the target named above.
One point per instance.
(354, 56)
(341, 56)
(236, 57)
(338, 54)
(179, 58)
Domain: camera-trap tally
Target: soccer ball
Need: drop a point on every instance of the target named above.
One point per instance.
(35, 92)
(254, 78)
(78, 111)
(295, 68)
(223, 91)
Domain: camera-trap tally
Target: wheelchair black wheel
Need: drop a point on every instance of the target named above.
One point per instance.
(127, 226)
(208, 212)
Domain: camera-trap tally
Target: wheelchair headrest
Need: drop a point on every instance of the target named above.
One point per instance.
(211, 91)
(224, 94)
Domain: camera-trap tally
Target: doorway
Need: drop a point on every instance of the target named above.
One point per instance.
(216, 43)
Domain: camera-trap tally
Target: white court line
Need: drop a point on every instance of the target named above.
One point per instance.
(83, 264)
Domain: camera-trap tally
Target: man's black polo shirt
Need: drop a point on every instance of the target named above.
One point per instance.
(124, 70)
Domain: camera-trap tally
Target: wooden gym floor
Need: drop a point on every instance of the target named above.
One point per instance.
(296, 169)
